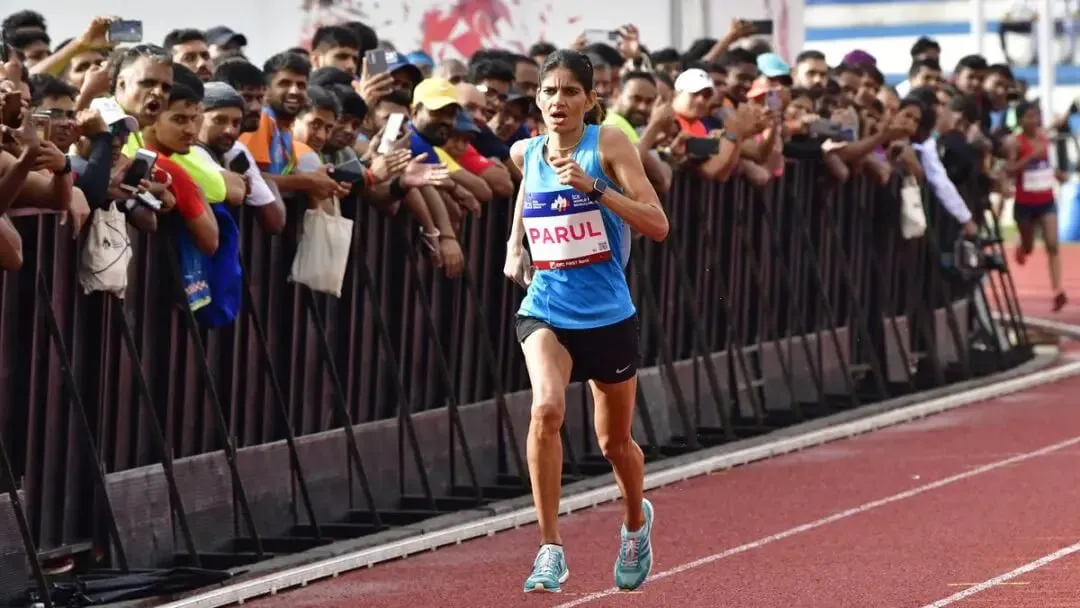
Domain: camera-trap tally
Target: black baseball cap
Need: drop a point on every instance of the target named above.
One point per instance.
(224, 36)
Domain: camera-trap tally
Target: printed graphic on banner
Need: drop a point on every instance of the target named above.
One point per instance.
(565, 230)
(447, 29)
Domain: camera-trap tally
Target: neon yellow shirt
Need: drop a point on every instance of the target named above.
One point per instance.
(205, 174)
(445, 158)
(612, 119)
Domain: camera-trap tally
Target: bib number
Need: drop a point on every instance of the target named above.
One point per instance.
(1039, 180)
(565, 230)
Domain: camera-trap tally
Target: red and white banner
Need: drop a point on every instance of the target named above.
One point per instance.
(443, 28)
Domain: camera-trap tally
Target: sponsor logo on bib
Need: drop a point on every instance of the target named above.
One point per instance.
(565, 230)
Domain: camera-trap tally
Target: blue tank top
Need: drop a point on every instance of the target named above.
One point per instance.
(579, 247)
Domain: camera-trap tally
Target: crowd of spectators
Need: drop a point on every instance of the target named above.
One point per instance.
(180, 136)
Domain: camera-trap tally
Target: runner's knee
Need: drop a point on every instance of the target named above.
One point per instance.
(615, 447)
(1052, 247)
(547, 413)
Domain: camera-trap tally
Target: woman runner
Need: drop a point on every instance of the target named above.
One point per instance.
(584, 189)
(1027, 158)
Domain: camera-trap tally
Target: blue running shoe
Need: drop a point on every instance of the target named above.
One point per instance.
(549, 570)
(635, 553)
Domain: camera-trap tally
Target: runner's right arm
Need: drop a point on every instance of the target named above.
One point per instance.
(517, 227)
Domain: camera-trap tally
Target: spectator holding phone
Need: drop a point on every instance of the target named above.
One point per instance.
(95, 36)
(765, 149)
(250, 83)
(100, 167)
(175, 133)
(693, 91)
(223, 112)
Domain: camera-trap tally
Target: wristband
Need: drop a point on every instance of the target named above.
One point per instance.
(67, 167)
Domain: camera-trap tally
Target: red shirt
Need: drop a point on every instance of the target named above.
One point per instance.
(1034, 182)
(692, 127)
(189, 198)
(473, 162)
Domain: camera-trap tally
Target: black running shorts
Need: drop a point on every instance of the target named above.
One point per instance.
(606, 354)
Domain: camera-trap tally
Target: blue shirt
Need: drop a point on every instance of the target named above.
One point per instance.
(520, 134)
(578, 246)
(418, 145)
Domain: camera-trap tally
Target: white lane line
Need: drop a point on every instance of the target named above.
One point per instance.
(271, 583)
(1002, 579)
(835, 517)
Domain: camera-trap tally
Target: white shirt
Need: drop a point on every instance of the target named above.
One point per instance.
(944, 190)
(260, 194)
(903, 88)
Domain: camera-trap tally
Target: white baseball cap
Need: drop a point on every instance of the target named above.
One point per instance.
(693, 80)
(112, 113)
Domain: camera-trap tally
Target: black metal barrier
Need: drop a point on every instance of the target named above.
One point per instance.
(131, 437)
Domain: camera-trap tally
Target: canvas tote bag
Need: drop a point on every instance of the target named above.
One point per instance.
(912, 214)
(323, 251)
(105, 258)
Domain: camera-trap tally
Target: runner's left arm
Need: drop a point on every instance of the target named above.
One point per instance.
(639, 207)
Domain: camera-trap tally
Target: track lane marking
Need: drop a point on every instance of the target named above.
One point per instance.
(858, 510)
(1002, 579)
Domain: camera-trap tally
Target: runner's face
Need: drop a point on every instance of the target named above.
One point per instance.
(563, 101)
(1030, 120)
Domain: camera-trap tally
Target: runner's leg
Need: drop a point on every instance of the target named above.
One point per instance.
(613, 419)
(1048, 225)
(549, 366)
(1025, 225)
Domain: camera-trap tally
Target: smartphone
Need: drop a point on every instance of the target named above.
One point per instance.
(240, 164)
(772, 101)
(125, 30)
(42, 122)
(601, 36)
(5, 50)
(151, 201)
(826, 129)
(378, 61)
(138, 170)
(349, 172)
(762, 27)
(702, 147)
(391, 133)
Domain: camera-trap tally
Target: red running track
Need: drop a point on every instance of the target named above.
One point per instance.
(1033, 283)
(900, 517)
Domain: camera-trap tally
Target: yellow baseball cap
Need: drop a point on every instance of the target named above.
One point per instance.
(435, 93)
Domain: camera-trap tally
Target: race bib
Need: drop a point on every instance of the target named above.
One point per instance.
(565, 230)
(1038, 178)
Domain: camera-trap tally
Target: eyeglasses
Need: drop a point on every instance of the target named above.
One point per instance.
(58, 114)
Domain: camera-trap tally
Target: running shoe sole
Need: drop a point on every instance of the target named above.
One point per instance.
(541, 588)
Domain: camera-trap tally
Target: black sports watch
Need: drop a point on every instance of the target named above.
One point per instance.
(67, 166)
(598, 190)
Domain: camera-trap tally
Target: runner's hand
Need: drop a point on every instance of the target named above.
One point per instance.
(518, 267)
(570, 174)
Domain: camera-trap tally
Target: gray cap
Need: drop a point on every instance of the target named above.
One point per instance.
(218, 95)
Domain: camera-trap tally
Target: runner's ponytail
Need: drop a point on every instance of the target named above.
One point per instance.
(595, 116)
